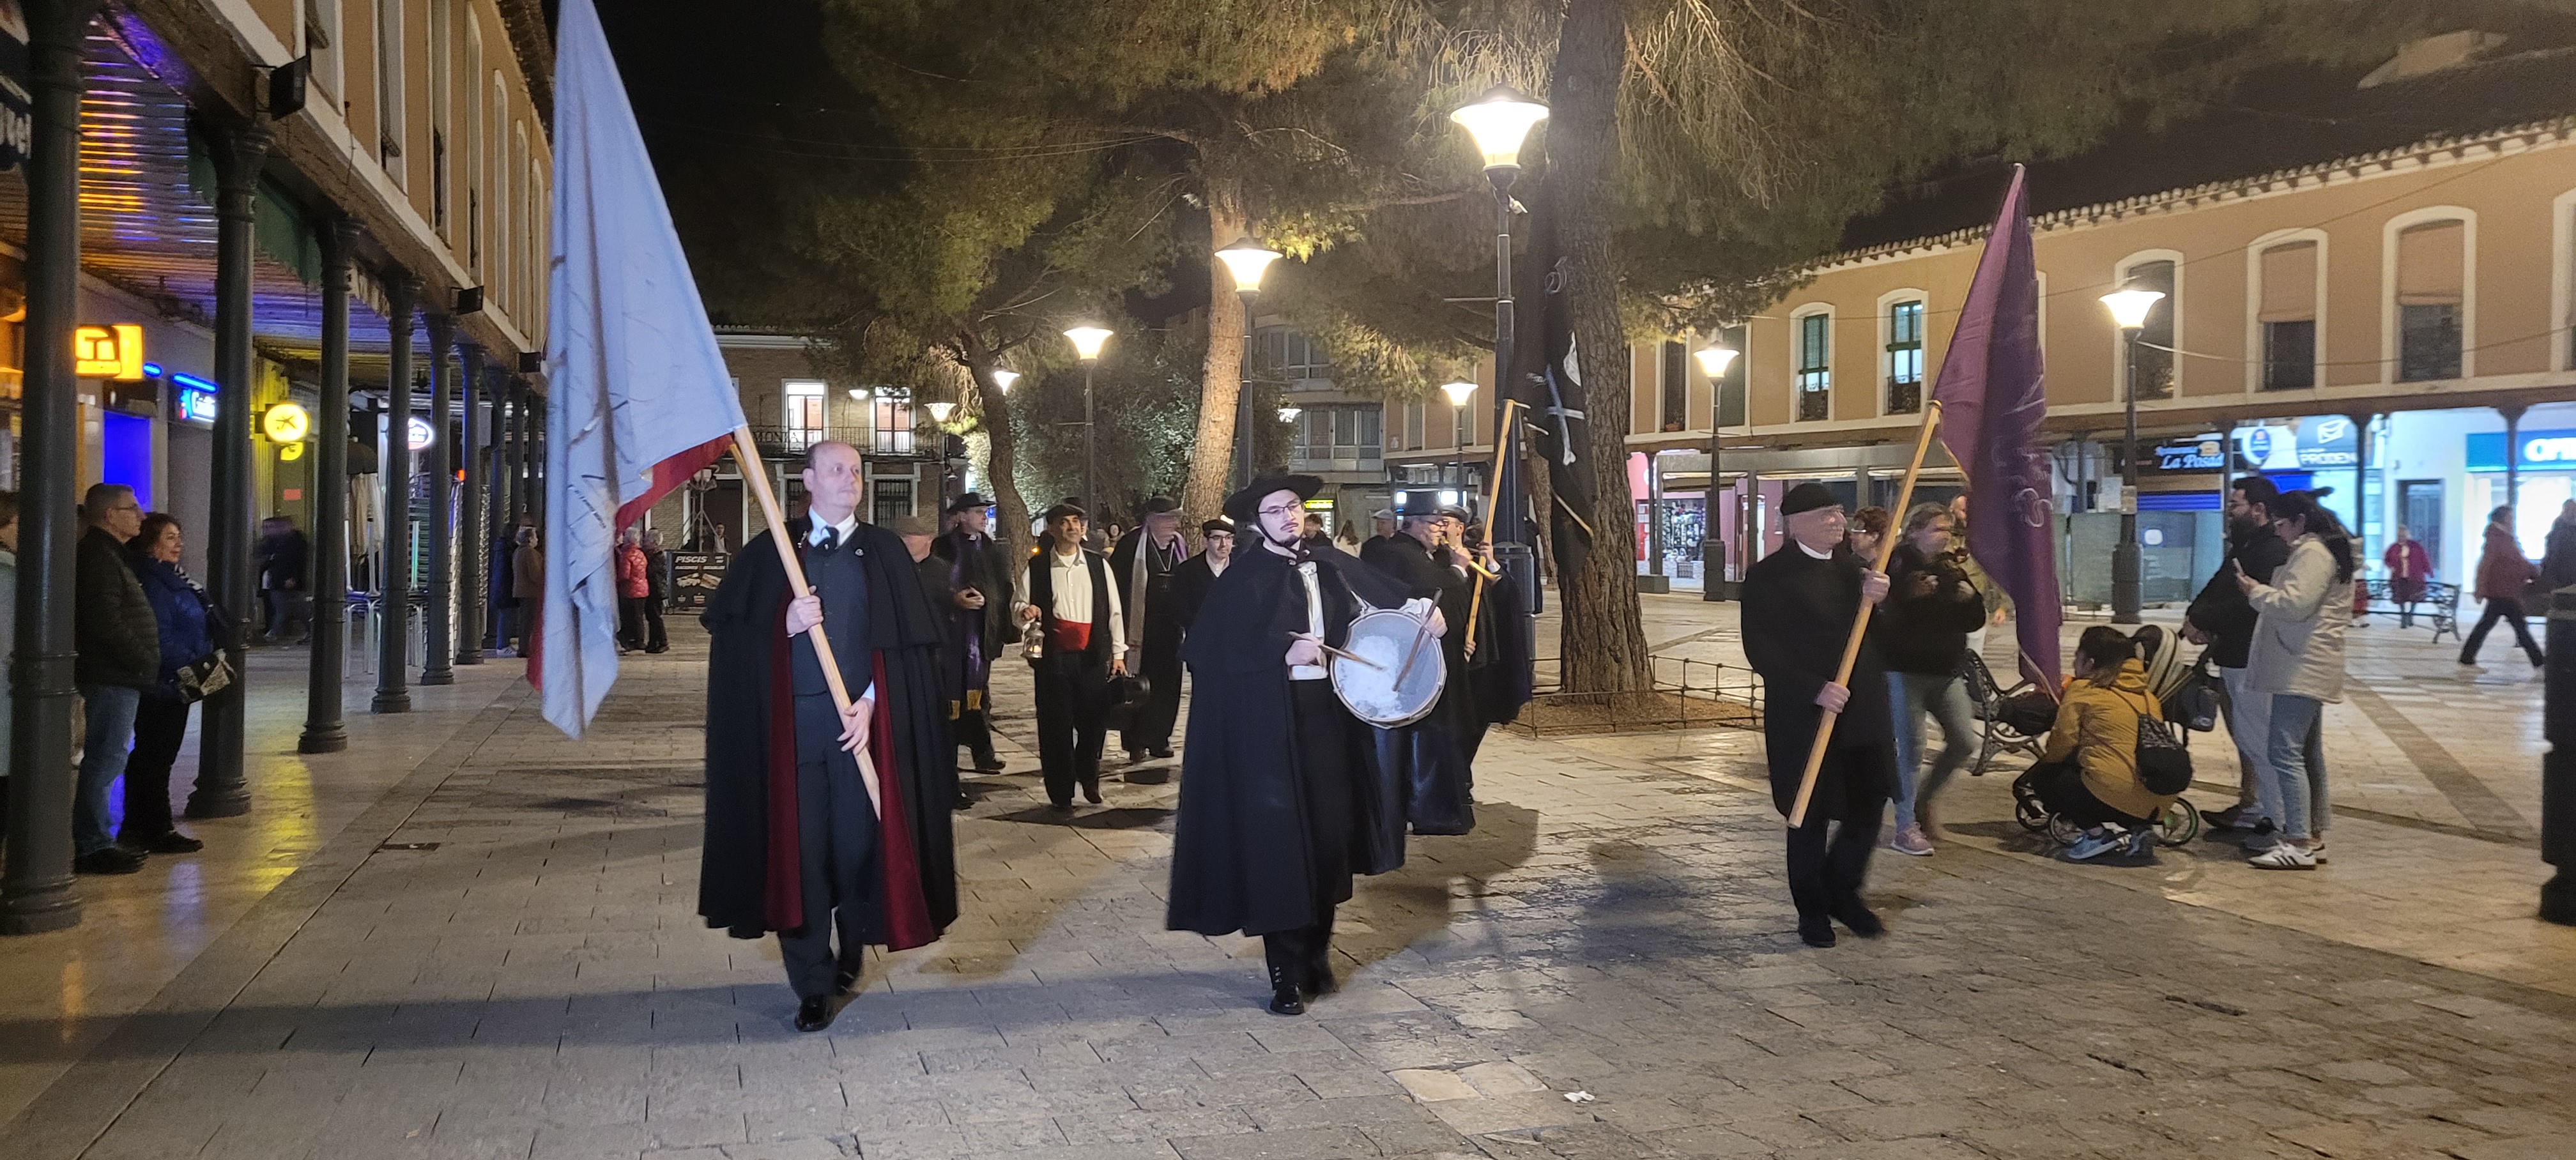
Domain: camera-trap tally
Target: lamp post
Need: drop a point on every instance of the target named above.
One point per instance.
(1002, 379)
(939, 413)
(1087, 341)
(1713, 361)
(1460, 394)
(2128, 308)
(1247, 260)
(1500, 120)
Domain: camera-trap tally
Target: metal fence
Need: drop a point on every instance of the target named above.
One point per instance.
(1687, 694)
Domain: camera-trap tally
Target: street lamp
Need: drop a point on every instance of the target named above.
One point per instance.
(1247, 260)
(1288, 412)
(1087, 341)
(1714, 359)
(1002, 379)
(2129, 306)
(939, 412)
(1460, 394)
(1500, 121)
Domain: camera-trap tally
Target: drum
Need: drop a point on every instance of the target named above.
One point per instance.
(1381, 639)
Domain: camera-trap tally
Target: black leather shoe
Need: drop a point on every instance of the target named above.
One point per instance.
(1859, 918)
(987, 763)
(1061, 807)
(1162, 754)
(1816, 931)
(174, 842)
(1285, 999)
(1091, 791)
(816, 1013)
(963, 802)
(108, 860)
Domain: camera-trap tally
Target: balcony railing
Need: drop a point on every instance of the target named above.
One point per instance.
(1815, 406)
(1904, 396)
(791, 442)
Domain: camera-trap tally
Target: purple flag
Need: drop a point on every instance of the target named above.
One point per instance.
(1991, 391)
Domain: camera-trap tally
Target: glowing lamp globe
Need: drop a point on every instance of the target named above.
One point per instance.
(1087, 341)
(2129, 306)
(939, 412)
(1714, 359)
(1499, 121)
(1003, 379)
(1458, 392)
(1247, 260)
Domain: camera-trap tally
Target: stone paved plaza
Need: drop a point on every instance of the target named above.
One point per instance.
(471, 937)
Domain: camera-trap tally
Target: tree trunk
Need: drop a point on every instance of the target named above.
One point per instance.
(1604, 641)
(1014, 532)
(1212, 455)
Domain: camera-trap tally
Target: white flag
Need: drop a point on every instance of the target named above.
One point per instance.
(638, 397)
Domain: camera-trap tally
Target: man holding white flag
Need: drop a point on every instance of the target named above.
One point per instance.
(826, 812)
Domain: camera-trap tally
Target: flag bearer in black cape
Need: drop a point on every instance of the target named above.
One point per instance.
(1425, 556)
(1278, 805)
(1799, 604)
(792, 843)
(1142, 564)
(978, 612)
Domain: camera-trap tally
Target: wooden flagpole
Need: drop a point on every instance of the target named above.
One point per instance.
(1860, 621)
(1493, 489)
(758, 478)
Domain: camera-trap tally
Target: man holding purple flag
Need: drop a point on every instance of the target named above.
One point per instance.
(1990, 403)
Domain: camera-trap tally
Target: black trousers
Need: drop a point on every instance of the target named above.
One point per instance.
(1151, 728)
(2061, 788)
(1073, 722)
(630, 621)
(1829, 860)
(836, 837)
(654, 639)
(2509, 611)
(160, 723)
(973, 729)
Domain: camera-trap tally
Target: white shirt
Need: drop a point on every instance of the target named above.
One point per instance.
(1314, 623)
(1811, 552)
(1071, 576)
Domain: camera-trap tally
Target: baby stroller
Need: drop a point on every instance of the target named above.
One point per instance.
(2013, 720)
(2186, 695)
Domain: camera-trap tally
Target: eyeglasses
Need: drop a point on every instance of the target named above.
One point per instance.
(1279, 511)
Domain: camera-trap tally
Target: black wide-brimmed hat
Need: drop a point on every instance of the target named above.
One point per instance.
(1243, 506)
(967, 503)
(1158, 505)
(1807, 497)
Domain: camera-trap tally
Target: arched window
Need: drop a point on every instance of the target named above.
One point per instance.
(1811, 351)
(1900, 360)
(2149, 370)
(390, 125)
(442, 49)
(2288, 274)
(2430, 301)
(2562, 282)
(473, 145)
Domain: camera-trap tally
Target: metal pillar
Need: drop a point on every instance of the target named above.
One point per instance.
(36, 888)
(1090, 446)
(1712, 544)
(2127, 566)
(1244, 468)
(1503, 526)
(323, 730)
(497, 481)
(221, 791)
(2558, 766)
(470, 583)
(393, 694)
(438, 646)
(2512, 413)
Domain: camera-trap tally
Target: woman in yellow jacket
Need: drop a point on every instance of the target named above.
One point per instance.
(2089, 770)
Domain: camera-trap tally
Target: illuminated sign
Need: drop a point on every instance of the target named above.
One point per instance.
(420, 433)
(108, 352)
(2204, 453)
(289, 453)
(1319, 505)
(2543, 450)
(196, 397)
(287, 423)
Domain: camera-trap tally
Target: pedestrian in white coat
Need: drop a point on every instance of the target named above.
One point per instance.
(2297, 657)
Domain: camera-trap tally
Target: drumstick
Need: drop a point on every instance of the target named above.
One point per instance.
(1347, 655)
(1410, 654)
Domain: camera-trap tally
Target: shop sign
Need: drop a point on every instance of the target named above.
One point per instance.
(2313, 444)
(287, 423)
(196, 398)
(17, 106)
(419, 434)
(694, 576)
(2543, 450)
(2200, 453)
(107, 352)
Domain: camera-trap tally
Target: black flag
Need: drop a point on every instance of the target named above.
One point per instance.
(1552, 386)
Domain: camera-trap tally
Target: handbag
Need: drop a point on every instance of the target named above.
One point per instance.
(1125, 695)
(2164, 766)
(204, 677)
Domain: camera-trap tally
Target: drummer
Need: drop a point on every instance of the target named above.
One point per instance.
(1427, 556)
(1274, 813)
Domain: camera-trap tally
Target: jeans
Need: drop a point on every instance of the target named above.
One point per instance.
(111, 711)
(2249, 724)
(2510, 611)
(1946, 699)
(2298, 765)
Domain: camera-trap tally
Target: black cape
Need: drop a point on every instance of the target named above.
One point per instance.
(1241, 857)
(1499, 675)
(1797, 616)
(1430, 754)
(1190, 584)
(988, 569)
(739, 882)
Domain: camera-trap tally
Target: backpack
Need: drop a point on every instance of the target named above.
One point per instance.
(2164, 765)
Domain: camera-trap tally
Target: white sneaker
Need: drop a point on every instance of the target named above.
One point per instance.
(2283, 857)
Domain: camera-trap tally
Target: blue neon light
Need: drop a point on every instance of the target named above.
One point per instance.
(193, 383)
(152, 370)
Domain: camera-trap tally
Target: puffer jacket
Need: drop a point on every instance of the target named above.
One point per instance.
(2097, 726)
(2504, 573)
(114, 633)
(180, 607)
(632, 583)
(2301, 617)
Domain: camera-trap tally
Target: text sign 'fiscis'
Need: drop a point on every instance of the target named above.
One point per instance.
(108, 352)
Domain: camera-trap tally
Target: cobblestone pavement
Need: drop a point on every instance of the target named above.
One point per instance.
(1605, 968)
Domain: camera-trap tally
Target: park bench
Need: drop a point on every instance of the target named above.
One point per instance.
(2440, 606)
